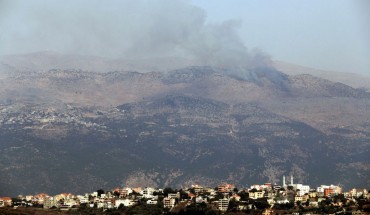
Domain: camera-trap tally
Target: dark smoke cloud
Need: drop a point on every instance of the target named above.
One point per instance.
(130, 29)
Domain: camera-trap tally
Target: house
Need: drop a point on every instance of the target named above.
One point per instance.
(147, 192)
(174, 195)
(200, 199)
(151, 202)
(282, 201)
(211, 191)
(301, 189)
(357, 192)
(29, 198)
(245, 206)
(169, 202)
(256, 195)
(197, 188)
(320, 199)
(328, 192)
(124, 202)
(83, 199)
(50, 202)
(312, 194)
(331, 189)
(100, 204)
(108, 205)
(124, 192)
(70, 202)
(39, 198)
(223, 204)
(314, 204)
(225, 188)
(298, 198)
(5, 201)
(64, 207)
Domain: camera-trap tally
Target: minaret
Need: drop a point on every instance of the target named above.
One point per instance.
(291, 180)
(284, 184)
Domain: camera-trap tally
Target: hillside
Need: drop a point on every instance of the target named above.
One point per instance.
(351, 79)
(74, 130)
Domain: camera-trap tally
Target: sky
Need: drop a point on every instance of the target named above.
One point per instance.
(330, 35)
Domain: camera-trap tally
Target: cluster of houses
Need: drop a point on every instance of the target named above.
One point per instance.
(219, 198)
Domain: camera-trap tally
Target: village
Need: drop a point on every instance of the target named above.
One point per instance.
(266, 198)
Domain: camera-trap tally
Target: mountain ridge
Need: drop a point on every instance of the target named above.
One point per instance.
(195, 124)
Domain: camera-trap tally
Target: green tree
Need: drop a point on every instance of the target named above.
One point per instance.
(168, 190)
(233, 205)
(100, 191)
(243, 195)
(262, 204)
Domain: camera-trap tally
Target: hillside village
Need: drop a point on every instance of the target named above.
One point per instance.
(266, 198)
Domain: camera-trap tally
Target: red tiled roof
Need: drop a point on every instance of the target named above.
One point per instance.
(6, 198)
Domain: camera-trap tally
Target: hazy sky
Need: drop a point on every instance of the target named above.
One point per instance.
(330, 34)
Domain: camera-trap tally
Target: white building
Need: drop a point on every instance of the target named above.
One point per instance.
(124, 202)
(147, 192)
(223, 204)
(151, 202)
(125, 192)
(174, 195)
(168, 202)
(303, 189)
(83, 199)
(256, 195)
(49, 202)
(336, 189)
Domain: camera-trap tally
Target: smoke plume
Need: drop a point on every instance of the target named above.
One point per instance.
(125, 29)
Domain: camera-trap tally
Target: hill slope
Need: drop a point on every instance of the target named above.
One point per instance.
(77, 131)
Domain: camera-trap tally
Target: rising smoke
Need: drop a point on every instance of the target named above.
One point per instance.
(129, 29)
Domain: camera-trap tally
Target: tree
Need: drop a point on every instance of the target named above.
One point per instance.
(298, 203)
(218, 196)
(116, 194)
(233, 205)
(253, 190)
(262, 204)
(183, 195)
(145, 209)
(307, 203)
(168, 190)
(243, 195)
(100, 191)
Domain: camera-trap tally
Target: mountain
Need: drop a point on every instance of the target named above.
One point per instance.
(47, 60)
(351, 79)
(75, 130)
